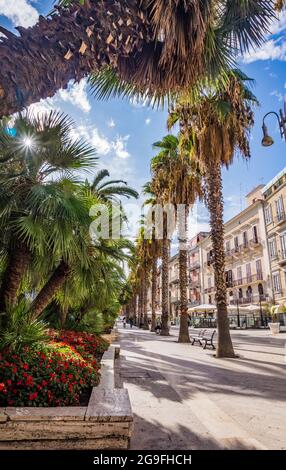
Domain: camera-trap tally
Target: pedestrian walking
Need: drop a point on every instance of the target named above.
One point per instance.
(131, 322)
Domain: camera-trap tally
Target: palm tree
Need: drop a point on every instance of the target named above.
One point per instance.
(148, 44)
(155, 252)
(184, 186)
(160, 167)
(109, 190)
(280, 4)
(36, 211)
(218, 124)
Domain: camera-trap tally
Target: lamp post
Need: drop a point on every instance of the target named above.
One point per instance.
(261, 311)
(267, 140)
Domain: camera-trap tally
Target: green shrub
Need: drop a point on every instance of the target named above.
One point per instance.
(19, 330)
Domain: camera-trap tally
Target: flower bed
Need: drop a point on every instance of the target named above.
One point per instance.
(55, 374)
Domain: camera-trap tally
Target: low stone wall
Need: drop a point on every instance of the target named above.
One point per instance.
(106, 423)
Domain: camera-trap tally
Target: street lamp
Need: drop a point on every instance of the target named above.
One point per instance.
(267, 140)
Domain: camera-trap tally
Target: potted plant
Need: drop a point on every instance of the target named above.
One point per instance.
(275, 324)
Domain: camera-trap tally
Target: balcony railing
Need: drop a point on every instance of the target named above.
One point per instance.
(247, 280)
(282, 257)
(194, 265)
(243, 248)
(280, 218)
(249, 300)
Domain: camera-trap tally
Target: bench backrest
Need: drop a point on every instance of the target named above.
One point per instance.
(209, 334)
(196, 332)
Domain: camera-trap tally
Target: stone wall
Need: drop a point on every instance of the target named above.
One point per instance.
(106, 423)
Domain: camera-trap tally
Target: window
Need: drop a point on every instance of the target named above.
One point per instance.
(209, 282)
(245, 239)
(248, 272)
(283, 245)
(236, 243)
(259, 270)
(254, 233)
(229, 281)
(272, 248)
(239, 275)
(268, 214)
(279, 208)
(227, 247)
(276, 282)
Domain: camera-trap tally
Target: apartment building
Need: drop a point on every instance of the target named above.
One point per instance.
(248, 269)
(274, 194)
(195, 268)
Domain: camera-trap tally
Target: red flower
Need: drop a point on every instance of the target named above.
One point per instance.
(29, 380)
(26, 366)
(32, 396)
(2, 387)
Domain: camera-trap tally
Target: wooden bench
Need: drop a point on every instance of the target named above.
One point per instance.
(196, 335)
(208, 337)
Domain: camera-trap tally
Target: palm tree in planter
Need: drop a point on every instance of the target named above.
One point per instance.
(218, 125)
(147, 43)
(37, 201)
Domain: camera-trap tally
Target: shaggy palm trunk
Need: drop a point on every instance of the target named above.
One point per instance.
(215, 205)
(145, 304)
(184, 336)
(153, 293)
(165, 331)
(18, 264)
(49, 290)
(67, 46)
(63, 316)
(140, 306)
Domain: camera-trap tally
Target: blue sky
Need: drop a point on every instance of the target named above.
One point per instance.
(123, 132)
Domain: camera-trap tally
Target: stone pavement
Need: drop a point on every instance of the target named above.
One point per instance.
(184, 398)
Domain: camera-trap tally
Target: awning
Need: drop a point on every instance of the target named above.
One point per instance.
(203, 308)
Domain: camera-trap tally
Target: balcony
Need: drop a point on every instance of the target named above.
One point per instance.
(247, 280)
(194, 283)
(251, 299)
(282, 257)
(209, 290)
(240, 250)
(195, 265)
(280, 218)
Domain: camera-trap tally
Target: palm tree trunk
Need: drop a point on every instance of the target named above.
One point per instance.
(215, 205)
(184, 336)
(45, 296)
(65, 47)
(154, 293)
(165, 331)
(18, 264)
(145, 304)
(140, 306)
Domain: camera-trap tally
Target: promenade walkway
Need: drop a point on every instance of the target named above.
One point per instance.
(184, 398)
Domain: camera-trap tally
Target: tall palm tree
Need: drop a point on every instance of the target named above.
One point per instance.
(160, 167)
(184, 186)
(155, 251)
(36, 210)
(147, 43)
(218, 124)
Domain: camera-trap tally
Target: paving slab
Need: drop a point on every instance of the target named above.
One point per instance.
(184, 398)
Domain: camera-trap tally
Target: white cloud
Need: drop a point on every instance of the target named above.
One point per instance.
(147, 121)
(103, 145)
(19, 12)
(280, 25)
(120, 147)
(277, 94)
(271, 50)
(43, 107)
(111, 123)
(76, 94)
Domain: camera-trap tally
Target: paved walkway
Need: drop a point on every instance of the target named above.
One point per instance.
(184, 398)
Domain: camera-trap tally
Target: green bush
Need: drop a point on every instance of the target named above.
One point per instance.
(19, 330)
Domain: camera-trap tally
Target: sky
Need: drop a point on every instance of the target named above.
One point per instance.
(123, 131)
